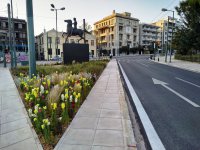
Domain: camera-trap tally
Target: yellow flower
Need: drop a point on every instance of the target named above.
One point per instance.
(74, 93)
(42, 126)
(35, 111)
(66, 90)
(63, 105)
(61, 82)
(54, 106)
(44, 83)
(66, 96)
(46, 91)
(35, 119)
(79, 95)
(45, 107)
(48, 82)
(65, 82)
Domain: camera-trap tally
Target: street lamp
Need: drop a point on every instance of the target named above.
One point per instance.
(55, 9)
(164, 9)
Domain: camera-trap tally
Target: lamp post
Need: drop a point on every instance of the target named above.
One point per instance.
(164, 9)
(55, 9)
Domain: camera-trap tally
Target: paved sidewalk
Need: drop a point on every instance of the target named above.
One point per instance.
(102, 122)
(16, 132)
(180, 64)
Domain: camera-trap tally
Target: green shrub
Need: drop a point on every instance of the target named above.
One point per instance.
(191, 58)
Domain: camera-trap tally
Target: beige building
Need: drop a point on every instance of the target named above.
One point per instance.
(46, 44)
(149, 34)
(115, 31)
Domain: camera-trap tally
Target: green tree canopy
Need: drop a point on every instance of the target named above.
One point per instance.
(187, 39)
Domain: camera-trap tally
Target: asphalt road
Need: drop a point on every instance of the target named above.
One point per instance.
(174, 106)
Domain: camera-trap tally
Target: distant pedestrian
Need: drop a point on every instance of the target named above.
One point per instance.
(110, 56)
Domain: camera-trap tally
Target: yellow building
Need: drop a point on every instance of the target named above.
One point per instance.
(115, 31)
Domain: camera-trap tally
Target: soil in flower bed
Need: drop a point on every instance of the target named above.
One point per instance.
(53, 100)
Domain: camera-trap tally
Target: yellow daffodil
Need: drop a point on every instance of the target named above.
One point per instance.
(54, 106)
(44, 83)
(45, 107)
(48, 82)
(66, 96)
(74, 93)
(61, 83)
(35, 111)
(63, 105)
(46, 92)
(42, 126)
(66, 90)
(35, 119)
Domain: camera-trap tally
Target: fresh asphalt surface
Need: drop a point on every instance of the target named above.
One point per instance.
(175, 120)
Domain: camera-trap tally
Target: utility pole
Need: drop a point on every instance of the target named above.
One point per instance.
(84, 30)
(173, 23)
(31, 38)
(10, 35)
(166, 51)
(13, 37)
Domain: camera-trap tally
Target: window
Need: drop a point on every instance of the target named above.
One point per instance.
(120, 28)
(58, 40)
(134, 30)
(49, 40)
(92, 42)
(120, 43)
(19, 26)
(128, 36)
(57, 51)
(120, 36)
(134, 38)
(3, 24)
(86, 41)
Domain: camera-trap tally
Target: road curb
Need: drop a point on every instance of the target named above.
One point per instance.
(151, 135)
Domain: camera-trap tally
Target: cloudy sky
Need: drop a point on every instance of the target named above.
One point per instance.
(92, 10)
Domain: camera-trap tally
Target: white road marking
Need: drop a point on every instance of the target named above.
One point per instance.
(188, 82)
(152, 136)
(155, 81)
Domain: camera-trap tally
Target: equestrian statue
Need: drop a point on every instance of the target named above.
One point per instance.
(73, 31)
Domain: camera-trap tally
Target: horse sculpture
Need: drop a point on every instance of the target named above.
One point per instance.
(73, 31)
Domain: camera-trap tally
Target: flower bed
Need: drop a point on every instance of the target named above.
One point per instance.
(53, 100)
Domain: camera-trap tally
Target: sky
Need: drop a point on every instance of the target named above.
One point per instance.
(147, 11)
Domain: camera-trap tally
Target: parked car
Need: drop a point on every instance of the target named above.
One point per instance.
(56, 58)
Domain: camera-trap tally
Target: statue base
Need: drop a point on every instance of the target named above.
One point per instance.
(75, 52)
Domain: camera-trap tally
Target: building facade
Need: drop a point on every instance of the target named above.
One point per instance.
(167, 30)
(47, 48)
(20, 34)
(149, 34)
(115, 31)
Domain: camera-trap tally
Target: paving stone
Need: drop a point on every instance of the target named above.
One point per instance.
(109, 123)
(15, 125)
(9, 105)
(74, 147)
(79, 136)
(112, 100)
(105, 113)
(84, 123)
(28, 144)
(12, 117)
(15, 136)
(107, 148)
(113, 106)
(84, 112)
(108, 138)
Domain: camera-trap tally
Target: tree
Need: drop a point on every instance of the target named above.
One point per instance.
(88, 27)
(187, 38)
